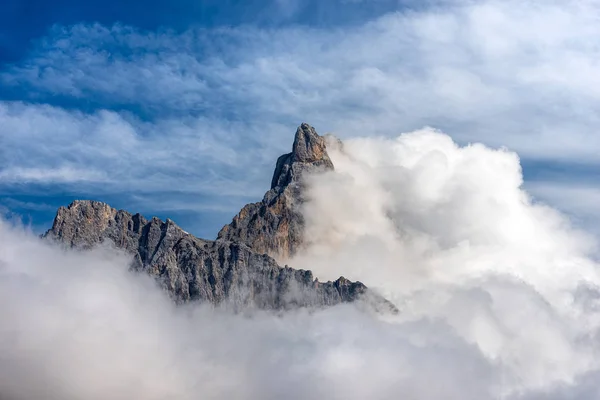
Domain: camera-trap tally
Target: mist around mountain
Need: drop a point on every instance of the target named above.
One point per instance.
(494, 295)
(237, 270)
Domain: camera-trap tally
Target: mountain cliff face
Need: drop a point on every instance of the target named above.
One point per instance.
(275, 225)
(236, 269)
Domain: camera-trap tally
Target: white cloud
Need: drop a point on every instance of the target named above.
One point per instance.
(498, 298)
(60, 175)
(81, 327)
(505, 73)
(519, 74)
(498, 294)
(448, 232)
(192, 164)
(117, 152)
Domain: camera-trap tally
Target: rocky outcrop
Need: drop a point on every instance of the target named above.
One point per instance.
(194, 269)
(275, 225)
(236, 269)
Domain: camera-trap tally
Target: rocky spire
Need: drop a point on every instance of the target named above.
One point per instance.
(239, 267)
(308, 152)
(275, 226)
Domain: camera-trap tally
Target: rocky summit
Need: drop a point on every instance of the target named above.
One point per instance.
(275, 225)
(237, 269)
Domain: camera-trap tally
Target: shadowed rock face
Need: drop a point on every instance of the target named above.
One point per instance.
(236, 269)
(275, 225)
(192, 269)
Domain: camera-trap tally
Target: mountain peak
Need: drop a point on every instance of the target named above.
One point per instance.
(239, 268)
(308, 145)
(275, 226)
(309, 152)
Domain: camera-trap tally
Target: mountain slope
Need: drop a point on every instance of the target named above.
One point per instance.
(236, 269)
(275, 225)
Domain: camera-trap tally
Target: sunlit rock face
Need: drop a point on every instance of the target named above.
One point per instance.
(275, 225)
(239, 268)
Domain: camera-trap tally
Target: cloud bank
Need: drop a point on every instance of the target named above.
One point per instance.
(82, 327)
(448, 232)
(498, 298)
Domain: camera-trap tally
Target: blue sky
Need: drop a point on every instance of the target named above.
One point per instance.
(181, 108)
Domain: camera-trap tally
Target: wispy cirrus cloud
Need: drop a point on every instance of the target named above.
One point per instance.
(500, 72)
(118, 150)
(59, 175)
(515, 74)
(195, 163)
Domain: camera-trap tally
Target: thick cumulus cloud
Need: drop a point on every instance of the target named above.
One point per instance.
(498, 294)
(80, 326)
(448, 232)
(498, 298)
(431, 196)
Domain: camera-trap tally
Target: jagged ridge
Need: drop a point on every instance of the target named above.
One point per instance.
(193, 269)
(237, 268)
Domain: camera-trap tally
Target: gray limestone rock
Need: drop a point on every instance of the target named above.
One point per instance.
(191, 269)
(237, 269)
(275, 225)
